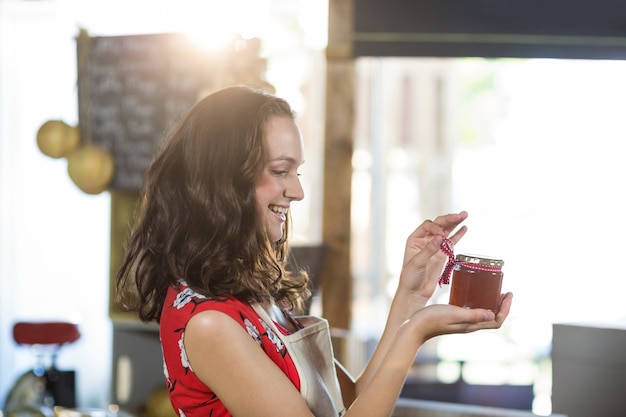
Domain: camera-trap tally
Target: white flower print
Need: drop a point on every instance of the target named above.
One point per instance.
(273, 337)
(183, 355)
(181, 413)
(253, 331)
(184, 297)
(166, 372)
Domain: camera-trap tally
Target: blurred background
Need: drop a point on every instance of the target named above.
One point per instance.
(532, 148)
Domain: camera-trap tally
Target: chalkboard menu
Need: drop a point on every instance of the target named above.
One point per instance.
(131, 89)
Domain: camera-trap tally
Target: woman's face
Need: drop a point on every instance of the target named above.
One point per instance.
(278, 183)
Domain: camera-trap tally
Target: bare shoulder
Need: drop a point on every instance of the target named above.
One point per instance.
(213, 339)
(212, 323)
(228, 360)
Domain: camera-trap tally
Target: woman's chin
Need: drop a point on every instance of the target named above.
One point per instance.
(276, 234)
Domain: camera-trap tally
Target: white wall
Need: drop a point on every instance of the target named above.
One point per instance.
(54, 239)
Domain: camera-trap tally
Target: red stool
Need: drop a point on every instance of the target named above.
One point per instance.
(56, 333)
(43, 387)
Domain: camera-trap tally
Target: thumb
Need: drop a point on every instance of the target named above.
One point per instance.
(435, 243)
(433, 247)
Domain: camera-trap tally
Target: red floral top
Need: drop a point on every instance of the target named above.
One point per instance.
(189, 396)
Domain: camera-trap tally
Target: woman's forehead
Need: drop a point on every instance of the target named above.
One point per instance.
(282, 140)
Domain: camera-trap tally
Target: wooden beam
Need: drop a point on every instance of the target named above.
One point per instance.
(336, 280)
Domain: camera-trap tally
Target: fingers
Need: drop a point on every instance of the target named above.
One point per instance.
(505, 307)
(440, 319)
(455, 238)
(448, 319)
(442, 225)
(477, 319)
(495, 321)
(450, 221)
(477, 316)
(429, 227)
(433, 247)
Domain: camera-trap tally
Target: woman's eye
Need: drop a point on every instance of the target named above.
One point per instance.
(279, 173)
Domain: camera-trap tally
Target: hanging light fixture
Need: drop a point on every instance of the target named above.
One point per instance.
(57, 139)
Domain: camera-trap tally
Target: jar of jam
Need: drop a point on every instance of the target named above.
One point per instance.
(476, 282)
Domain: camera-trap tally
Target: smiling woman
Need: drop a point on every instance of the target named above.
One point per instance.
(54, 239)
(278, 184)
(206, 260)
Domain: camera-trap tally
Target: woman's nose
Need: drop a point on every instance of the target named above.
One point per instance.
(294, 189)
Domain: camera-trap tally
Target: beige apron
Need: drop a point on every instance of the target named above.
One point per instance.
(312, 353)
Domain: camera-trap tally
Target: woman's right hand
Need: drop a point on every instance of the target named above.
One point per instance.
(423, 258)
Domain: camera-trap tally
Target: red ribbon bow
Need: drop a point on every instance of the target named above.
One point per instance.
(447, 247)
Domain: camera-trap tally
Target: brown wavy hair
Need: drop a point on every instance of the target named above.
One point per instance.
(198, 219)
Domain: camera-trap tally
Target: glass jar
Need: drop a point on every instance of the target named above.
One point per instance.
(476, 282)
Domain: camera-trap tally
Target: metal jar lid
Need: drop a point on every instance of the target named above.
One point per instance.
(479, 260)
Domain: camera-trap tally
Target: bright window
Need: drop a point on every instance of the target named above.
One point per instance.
(533, 150)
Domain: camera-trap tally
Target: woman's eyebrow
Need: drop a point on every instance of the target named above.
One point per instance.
(285, 158)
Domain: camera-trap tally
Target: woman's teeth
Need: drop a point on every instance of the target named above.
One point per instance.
(280, 210)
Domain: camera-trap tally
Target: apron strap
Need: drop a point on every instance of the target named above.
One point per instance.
(311, 352)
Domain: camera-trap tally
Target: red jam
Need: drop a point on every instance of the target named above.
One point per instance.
(476, 282)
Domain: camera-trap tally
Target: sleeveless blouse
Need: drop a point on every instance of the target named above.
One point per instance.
(189, 396)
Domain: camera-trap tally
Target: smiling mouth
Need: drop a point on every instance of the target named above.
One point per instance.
(281, 212)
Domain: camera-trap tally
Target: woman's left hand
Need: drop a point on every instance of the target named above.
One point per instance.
(423, 259)
(440, 319)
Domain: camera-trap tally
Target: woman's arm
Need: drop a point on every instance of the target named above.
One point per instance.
(227, 359)
(422, 265)
(224, 357)
(379, 396)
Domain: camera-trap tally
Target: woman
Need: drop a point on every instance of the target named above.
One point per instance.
(206, 260)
